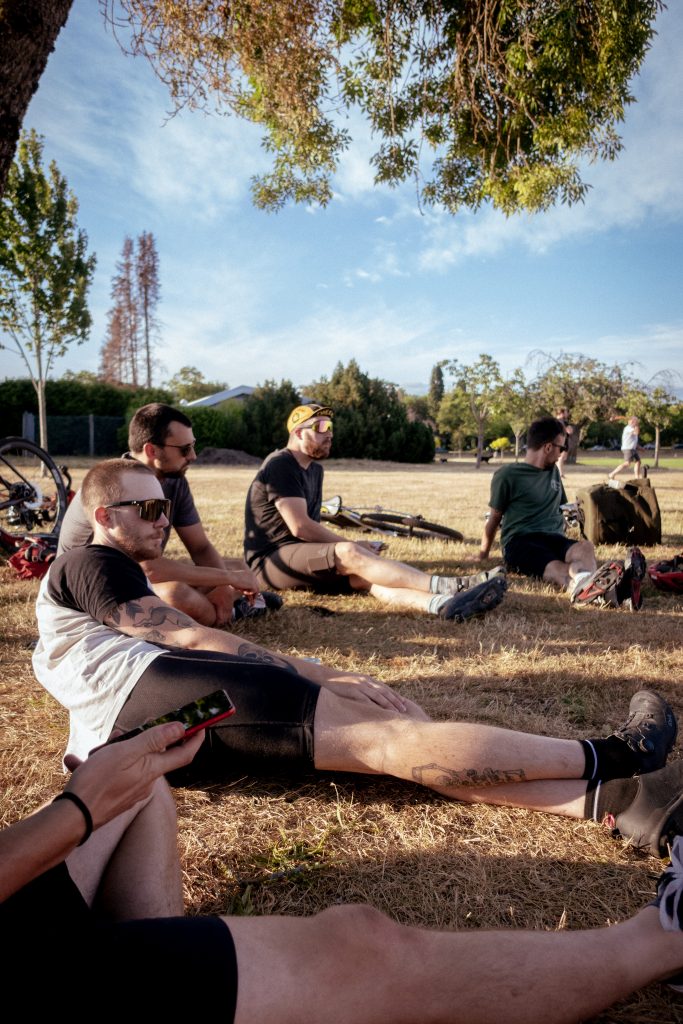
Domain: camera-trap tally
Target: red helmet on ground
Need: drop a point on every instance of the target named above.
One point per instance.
(668, 575)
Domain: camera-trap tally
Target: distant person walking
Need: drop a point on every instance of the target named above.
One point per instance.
(562, 415)
(630, 443)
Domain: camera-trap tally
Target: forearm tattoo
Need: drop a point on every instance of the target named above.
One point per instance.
(448, 778)
(249, 652)
(156, 623)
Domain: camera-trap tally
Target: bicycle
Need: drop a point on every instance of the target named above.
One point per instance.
(33, 494)
(376, 519)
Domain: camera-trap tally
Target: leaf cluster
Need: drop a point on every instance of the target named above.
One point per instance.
(477, 100)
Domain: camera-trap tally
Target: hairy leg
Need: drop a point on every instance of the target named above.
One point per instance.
(463, 761)
(354, 560)
(352, 964)
(130, 868)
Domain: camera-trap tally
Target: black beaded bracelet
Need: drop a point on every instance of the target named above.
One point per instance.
(84, 811)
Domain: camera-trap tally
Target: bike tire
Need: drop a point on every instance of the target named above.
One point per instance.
(33, 497)
(411, 526)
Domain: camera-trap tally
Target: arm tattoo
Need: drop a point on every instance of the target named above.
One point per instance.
(447, 778)
(250, 652)
(156, 621)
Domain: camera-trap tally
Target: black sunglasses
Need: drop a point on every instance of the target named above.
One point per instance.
(150, 509)
(563, 447)
(184, 449)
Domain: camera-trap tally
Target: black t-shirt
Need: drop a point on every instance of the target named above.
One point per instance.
(96, 579)
(280, 476)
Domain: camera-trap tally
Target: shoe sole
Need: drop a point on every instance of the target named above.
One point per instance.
(477, 601)
(603, 579)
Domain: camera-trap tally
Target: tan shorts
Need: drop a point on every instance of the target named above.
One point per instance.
(302, 565)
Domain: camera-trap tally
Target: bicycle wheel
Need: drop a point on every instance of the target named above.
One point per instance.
(411, 526)
(32, 492)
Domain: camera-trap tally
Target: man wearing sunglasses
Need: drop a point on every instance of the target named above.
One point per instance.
(287, 546)
(161, 438)
(529, 495)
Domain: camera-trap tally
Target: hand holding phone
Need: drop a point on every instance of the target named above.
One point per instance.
(198, 714)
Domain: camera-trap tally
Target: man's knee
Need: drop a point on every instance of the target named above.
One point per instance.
(349, 557)
(356, 930)
(581, 550)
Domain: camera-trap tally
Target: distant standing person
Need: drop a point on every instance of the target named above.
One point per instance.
(563, 417)
(629, 449)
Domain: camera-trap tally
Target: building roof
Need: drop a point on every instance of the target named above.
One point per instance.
(241, 391)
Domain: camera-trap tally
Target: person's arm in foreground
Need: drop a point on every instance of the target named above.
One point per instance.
(111, 781)
(169, 570)
(149, 618)
(489, 535)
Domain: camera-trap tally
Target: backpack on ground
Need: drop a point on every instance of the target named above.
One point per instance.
(624, 515)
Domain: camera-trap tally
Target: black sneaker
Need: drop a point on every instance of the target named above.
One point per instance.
(655, 816)
(650, 730)
(669, 903)
(601, 587)
(456, 584)
(629, 587)
(476, 601)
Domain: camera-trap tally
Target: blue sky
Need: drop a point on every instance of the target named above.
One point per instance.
(249, 296)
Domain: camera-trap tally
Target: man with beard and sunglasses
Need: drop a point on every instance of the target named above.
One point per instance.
(287, 546)
(213, 590)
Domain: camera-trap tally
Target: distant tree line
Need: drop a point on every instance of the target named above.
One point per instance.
(371, 421)
(483, 406)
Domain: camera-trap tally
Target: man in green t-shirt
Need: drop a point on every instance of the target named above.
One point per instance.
(526, 497)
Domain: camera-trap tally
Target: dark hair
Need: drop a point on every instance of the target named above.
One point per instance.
(151, 424)
(543, 430)
(102, 485)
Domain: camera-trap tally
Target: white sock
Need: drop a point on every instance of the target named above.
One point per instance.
(578, 581)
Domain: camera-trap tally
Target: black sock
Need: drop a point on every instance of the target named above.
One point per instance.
(609, 758)
(608, 798)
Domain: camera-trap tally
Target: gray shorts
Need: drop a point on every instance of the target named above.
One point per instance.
(630, 455)
(302, 565)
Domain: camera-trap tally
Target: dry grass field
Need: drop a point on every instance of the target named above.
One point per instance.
(288, 845)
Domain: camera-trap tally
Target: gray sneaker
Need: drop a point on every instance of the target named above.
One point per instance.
(476, 601)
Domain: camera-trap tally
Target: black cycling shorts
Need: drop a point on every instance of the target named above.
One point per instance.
(271, 730)
(529, 553)
(62, 962)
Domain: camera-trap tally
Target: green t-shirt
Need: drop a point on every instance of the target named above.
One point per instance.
(529, 499)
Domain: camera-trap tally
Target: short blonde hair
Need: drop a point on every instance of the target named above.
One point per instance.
(102, 485)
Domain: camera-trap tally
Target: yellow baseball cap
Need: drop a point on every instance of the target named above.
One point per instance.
(306, 412)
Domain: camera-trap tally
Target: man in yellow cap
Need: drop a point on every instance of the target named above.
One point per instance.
(287, 546)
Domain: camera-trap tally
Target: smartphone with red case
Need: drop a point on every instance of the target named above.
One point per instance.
(198, 714)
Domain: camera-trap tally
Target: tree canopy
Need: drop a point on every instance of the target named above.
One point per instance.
(476, 100)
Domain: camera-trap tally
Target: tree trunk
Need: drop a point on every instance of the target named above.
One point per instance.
(28, 31)
(657, 433)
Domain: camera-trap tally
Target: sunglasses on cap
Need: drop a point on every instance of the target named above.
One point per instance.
(149, 509)
(320, 426)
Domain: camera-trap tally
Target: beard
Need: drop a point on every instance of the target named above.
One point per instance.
(317, 452)
(140, 550)
(176, 474)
